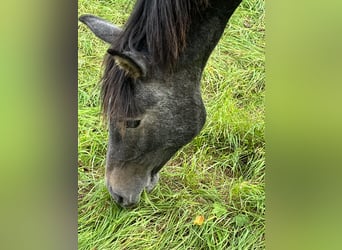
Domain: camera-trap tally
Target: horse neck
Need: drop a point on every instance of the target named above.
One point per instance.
(205, 32)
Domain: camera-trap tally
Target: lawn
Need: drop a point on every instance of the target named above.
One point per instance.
(220, 175)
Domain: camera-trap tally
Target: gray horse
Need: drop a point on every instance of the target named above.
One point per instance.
(150, 89)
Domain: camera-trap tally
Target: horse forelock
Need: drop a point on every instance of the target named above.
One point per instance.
(156, 28)
(117, 92)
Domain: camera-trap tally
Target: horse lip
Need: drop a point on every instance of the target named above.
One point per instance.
(130, 206)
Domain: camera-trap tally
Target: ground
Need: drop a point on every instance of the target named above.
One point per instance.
(211, 193)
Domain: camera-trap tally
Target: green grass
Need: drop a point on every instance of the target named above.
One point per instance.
(219, 175)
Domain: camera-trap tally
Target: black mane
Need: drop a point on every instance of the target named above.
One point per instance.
(156, 28)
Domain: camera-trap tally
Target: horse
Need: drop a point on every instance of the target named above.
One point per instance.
(150, 87)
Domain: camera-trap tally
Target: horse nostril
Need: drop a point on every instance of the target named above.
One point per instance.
(116, 197)
(119, 199)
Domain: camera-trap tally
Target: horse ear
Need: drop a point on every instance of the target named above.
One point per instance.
(133, 64)
(101, 28)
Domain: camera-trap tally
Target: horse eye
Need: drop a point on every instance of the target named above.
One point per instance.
(132, 123)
